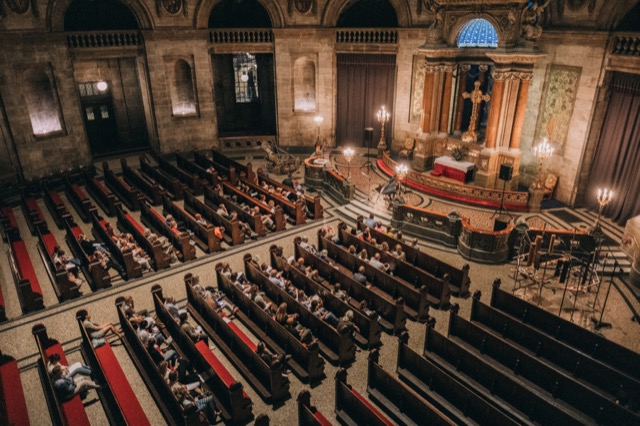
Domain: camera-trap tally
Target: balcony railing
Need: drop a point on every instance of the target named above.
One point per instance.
(367, 36)
(99, 40)
(626, 45)
(241, 36)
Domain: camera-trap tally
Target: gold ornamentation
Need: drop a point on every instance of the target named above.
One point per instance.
(476, 96)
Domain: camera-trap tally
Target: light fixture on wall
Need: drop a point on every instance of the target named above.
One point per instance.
(244, 77)
(102, 86)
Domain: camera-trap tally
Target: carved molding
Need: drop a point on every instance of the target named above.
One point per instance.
(512, 75)
(436, 68)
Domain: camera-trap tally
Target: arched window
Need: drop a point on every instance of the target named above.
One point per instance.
(368, 14)
(89, 15)
(304, 84)
(42, 102)
(239, 14)
(478, 33)
(183, 93)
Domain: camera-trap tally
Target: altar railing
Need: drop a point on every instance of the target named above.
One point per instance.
(319, 175)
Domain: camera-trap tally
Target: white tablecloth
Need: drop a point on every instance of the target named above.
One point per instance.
(463, 166)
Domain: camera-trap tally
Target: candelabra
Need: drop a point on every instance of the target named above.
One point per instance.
(604, 198)
(401, 174)
(348, 154)
(383, 117)
(542, 152)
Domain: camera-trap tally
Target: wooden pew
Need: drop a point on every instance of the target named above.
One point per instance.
(293, 209)
(222, 172)
(336, 346)
(278, 215)
(80, 200)
(171, 184)
(9, 223)
(314, 204)
(103, 195)
(24, 276)
(56, 207)
(192, 180)
(64, 288)
(223, 160)
(457, 401)
(267, 379)
(159, 259)
(131, 268)
(309, 415)
(392, 315)
(353, 409)
(180, 240)
(204, 234)
(369, 334)
(96, 275)
(121, 404)
(398, 400)
(233, 235)
(13, 407)
(233, 401)
(158, 387)
(129, 195)
(459, 277)
(152, 191)
(190, 166)
(416, 300)
(483, 376)
(68, 413)
(439, 292)
(213, 200)
(34, 216)
(306, 362)
(591, 344)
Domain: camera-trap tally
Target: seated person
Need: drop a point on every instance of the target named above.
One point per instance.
(67, 388)
(97, 331)
(200, 220)
(399, 253)
(376, 263)
(174, 383)
(222, 211)
(172, 307)
(340, 293)
(268, 357)
(359, 275)
(60, 261)
(195, 334)
(316, 307)
(203, 405)
(159, 354)
(346, 321)
(276, 278)
(67, 371)
(90, 246)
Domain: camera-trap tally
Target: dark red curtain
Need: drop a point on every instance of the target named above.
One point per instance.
(617, 160)
(365, 83)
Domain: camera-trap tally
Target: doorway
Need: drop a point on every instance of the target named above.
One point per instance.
(101, 127)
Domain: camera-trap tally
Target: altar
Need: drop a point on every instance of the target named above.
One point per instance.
(459, 170)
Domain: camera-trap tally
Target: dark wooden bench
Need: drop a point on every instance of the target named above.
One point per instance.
(187, 165)
(314, 204)
(352, 409)
(391, 311)
(151, 190)
(278, 214)
(213, 200)
(232, 234)
(131, 268)
(13, 407)
(56, 207)
(337, 346)
(222, 172)
(266, 379)
(9, 223)
(369, 334)
(33, 214)
(191, 180)
(64, 288)
(25, 278)
(416, 300)
(170, 183)
(121, 404)
(97, 276)
(591, 344)
(80, 200)
(294, 210)
(180, 240)
(459, 280)
(306, 362)
(235, 404)
(103, 195)
(129, 195)
(398, 400)
(68, 413)
(309, 415)
(478, 373)
(204, 235)
(244, 170)
(452, 397)
(159, 259)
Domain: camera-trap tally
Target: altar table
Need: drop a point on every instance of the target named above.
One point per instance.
(459, 170)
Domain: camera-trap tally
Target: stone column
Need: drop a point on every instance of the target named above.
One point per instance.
(521, 106)
(446, 99)
(427, 99)
(495, 112)
(462, 80)
(437, 97)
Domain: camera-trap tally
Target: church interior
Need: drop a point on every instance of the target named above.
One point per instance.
(319, 212)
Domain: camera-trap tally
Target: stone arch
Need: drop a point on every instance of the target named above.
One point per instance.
(203, 11)
(57, 9)
(304, 84)
(334, 9)
(454, 30)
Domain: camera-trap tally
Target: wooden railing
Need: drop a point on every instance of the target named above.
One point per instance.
(367, 36)
(100, 39)
(245, 35)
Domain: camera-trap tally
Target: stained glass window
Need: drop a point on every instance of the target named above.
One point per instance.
(478, 33)
(245, 69)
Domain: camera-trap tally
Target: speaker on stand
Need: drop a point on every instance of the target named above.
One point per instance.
(368, 138)
(504, 217)
(506, 172)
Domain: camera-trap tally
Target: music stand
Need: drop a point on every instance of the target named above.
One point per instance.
(368, 135)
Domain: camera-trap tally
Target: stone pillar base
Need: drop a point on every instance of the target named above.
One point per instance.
(485, 179)
(535, 200)
(419, 163)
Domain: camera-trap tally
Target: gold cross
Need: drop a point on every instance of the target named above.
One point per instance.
(476, 97)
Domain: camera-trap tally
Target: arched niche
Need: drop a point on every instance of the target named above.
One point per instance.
(41, 98)
(57, 10)
(183, 94)
(455, 29)
(203, 12)
(335, 9)
(304, 85)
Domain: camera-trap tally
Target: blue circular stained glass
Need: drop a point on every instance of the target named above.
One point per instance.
(478, 33)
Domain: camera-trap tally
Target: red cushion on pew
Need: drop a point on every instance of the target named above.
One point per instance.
(55, 197)
(79, 192)
(215, 363)
(101, 187)
(321, 418)
(124, 395)
(371, 408)
(50, 242)
(1, 298)
(13, 393)
(125, 185)
(73, 410)
(163, 220)
(11, 217)
(241, 334)
(25, 266)
(76, 231)
(135, 223)
(32, 204)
